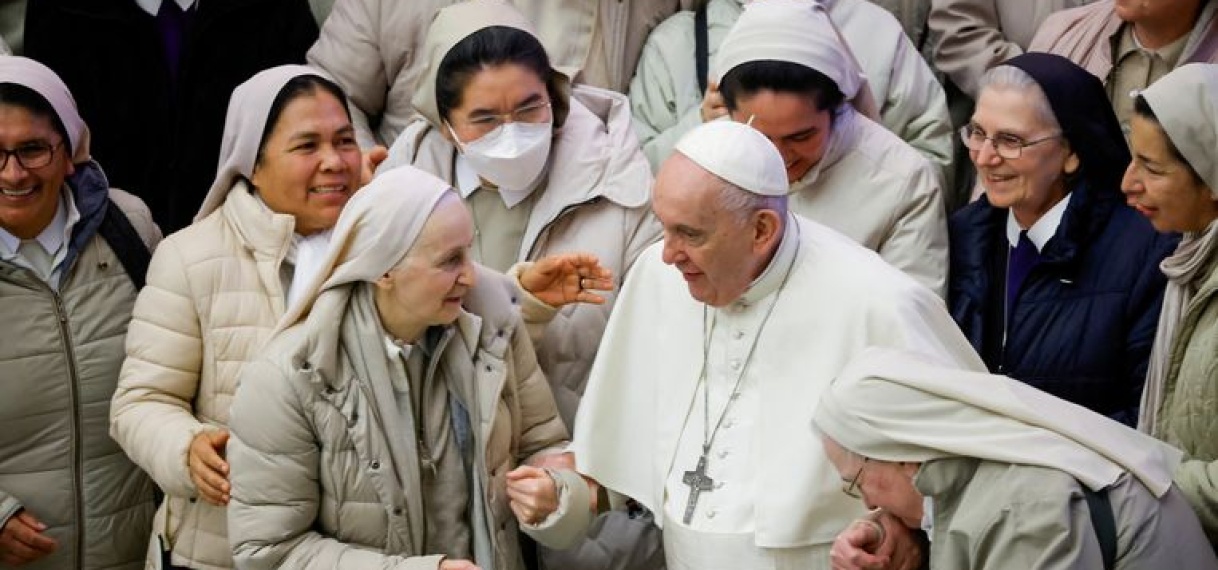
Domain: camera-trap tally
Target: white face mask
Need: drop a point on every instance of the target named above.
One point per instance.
(512, 156)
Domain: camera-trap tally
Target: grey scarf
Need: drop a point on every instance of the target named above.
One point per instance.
(1185, 270)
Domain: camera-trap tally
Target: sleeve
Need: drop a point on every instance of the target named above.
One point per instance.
(916, 109)
(1038, 535)
(917, 243)
(9, 507)
(152, 411)
(349, 50)
(1198, 480)
(661, 116)
(276, 494)
(568, 525)
(1145, 300)
(967, 40)
(541, 427)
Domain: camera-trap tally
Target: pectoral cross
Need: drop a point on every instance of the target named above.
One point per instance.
(698, 482)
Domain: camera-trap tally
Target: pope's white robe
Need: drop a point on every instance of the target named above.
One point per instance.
(839, 299)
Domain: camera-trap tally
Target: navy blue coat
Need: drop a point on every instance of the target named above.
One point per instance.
(1084, 321)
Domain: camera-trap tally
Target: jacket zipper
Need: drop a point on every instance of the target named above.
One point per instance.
(542, 234)
(73, 401)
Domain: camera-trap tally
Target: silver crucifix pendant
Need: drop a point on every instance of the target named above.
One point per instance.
(698, 482)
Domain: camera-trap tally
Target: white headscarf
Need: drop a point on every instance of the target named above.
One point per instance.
(248, 111)
(796, 31)
(897, 405)
(376, 229)
(1185, 102)
(40, 78)
(738, 154)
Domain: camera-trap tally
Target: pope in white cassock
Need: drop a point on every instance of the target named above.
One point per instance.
(701, 395)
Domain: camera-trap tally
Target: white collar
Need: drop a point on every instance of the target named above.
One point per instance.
(1043, 229)
(154, 6)
(468, 182)
(56, 233)
(928, 517)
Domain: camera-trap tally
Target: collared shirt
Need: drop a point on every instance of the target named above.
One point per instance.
(501, 217)
(1135, 68)
(154, 6)
(1043, 230)
(468, 182)
(54, 239)
(733, 459)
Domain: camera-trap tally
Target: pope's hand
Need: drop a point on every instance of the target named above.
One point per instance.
(904, 552)
(566, 278)
(713, 105)
(371, 159)
(532, 493)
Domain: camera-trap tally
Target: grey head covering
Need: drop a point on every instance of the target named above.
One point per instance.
(376, 229)
(248, 111)
(38, 77)
(1186, 103)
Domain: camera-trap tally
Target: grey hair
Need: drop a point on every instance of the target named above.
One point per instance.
(1003, 77)
(741, 203)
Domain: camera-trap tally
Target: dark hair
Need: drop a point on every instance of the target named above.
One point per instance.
(494, 45)
(298, 86)
(22, 96)
(1142, 108)
(784, 76)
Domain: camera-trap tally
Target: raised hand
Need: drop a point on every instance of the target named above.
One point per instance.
(565, 278)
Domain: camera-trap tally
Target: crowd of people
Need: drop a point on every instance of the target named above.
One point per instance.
(609, 284)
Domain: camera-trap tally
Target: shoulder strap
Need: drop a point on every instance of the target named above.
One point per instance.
(127, 244)
(1104, 524)
(701, 47)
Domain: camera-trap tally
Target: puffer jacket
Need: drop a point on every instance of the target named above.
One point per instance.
(318, 459)
(1189, 419)
(1085, 318)
(596, 199)
(666, 101)
(60, 352)
(213, 296)
(374, 49)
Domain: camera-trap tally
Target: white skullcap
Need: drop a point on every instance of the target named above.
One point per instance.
(738, 154)
(795, 31)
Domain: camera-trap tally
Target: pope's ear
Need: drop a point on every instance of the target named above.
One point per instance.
(767, 227)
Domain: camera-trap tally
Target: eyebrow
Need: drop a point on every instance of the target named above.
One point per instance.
(534, 98)
(310, 135)
(806, 132)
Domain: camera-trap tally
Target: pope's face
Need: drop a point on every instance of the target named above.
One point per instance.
(712, 248)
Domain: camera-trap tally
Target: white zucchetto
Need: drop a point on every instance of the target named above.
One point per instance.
(738, 154)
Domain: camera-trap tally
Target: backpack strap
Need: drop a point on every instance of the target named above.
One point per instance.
(126, 242)
(1104, 524)
(701, 46)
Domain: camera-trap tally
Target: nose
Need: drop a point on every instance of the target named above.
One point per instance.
(12, 168)
(467, 275)
(987, 154)
(331, 159)
(1129, 182)
(672, 252)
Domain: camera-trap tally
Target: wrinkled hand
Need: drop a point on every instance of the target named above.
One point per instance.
(22, 541)
(458, 565)
(713, 105)
(565, 460)
(372, 158)
(208, 469)
(859, 547)
(533, 494)
(566, 278)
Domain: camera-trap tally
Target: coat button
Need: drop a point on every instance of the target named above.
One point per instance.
(397, 511)
(374, 464)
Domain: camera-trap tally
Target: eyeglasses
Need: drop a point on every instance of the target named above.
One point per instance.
(487, 122)
(1009, 147)
(851, 488)
(29, 156)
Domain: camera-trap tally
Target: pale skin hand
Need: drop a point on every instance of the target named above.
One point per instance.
(857, 548)
(458, 565)
(22, 541)
(566, 460)
(208, 469)
(372, 158)
(532, 493)
(566, 278)
(713, 105)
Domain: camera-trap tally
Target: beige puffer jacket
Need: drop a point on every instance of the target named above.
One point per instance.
(60, 354)
(373, 49)
(318, 459)
(213, 296)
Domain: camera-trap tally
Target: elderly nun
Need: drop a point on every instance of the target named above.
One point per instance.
(786, 72)
(400, 333)
(1172, 181)
(1002, 475)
